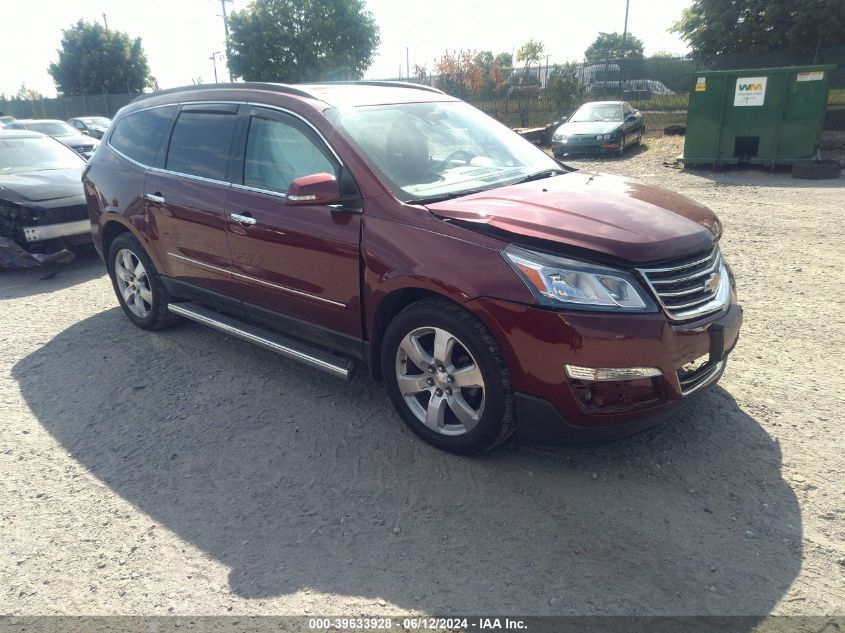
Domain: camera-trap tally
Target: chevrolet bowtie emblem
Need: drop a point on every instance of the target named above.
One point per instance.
(712, 283)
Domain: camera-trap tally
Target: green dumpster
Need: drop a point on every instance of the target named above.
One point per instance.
(762, 116)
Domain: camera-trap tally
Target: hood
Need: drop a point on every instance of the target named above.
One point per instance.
(589, 127)
(616, 216)
(42, 186)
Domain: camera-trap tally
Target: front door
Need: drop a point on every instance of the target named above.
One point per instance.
(297, 265)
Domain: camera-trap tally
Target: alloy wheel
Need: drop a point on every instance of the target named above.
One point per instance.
(440, 381)
(133, 283)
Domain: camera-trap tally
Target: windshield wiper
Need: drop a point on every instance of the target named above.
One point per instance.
(540, 175)
(446, 196)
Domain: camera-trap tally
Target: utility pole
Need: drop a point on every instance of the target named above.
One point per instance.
(407, 65)
(226, 30)
(213, 59)
(622, 53)
(106, 22)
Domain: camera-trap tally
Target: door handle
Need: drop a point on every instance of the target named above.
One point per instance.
(155, 198)
(245, 220)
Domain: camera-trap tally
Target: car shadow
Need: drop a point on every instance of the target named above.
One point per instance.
(15, 284)
(296, 481)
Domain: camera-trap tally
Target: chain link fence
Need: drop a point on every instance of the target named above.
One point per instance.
(64, 108)
(657, 86)
(540, 94)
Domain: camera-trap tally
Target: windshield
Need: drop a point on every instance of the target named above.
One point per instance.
(35, 154)
(598, 112)
(426, 151)
(96, 121)
(53, 128)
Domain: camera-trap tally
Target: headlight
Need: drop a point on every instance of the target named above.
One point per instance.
(559, 138)
(560, 282)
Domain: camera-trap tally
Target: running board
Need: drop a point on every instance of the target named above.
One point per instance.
(334, 365)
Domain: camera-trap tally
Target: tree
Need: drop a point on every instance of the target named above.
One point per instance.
(716, 27)
(530, 53)
(302, 40)
(28, 94)
(609, 46)
(565, 88)
(93, 60)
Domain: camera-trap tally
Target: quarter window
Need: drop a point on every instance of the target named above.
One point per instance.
(139, 135)
(200, 144)
(278, 152)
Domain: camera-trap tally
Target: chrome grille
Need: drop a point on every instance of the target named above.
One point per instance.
(691, 287)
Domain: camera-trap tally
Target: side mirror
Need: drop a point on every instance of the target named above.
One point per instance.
(564, 119)
(314, 189)
(85, 132)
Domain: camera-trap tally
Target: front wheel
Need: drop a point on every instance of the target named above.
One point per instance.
(446, 376)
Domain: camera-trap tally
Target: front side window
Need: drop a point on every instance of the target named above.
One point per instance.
(426, 151)
(139, 135)
(199, 145)
(278, 152)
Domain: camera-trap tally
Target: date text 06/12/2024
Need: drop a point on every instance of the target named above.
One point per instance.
(417, 624)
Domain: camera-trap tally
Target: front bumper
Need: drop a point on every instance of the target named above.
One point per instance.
(537, 342)
(592, 147)
(52, 231)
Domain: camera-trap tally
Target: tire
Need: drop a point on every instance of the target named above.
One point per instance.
(817, 170)
(467, 419)
(622, 146)
(147, 296)
(640, 138)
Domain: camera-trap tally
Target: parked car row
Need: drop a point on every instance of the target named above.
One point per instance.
(82, 144)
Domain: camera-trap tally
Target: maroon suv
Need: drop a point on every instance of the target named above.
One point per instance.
(490, 287)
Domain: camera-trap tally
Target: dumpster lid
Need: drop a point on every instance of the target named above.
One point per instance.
(765, 71)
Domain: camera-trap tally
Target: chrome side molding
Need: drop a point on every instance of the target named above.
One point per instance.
(334, 365)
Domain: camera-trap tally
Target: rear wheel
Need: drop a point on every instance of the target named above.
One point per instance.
(137, 284)
(447, 378)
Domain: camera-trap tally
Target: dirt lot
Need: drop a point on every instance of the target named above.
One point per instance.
(185, 472)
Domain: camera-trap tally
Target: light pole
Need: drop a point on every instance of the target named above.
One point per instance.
(226, 30)
(213, 59)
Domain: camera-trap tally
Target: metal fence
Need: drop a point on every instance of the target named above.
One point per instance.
(657, 86)
(527, 97)
(64, 108)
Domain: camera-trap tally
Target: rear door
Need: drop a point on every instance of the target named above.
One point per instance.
(298, 266)
(186, 195)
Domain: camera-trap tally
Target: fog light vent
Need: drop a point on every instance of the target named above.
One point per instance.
(610, 373)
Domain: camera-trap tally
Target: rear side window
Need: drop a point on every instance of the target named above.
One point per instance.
(278, 152)
(200, 144)
(139, 135)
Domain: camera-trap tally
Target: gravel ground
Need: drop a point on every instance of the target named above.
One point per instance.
(184, 472)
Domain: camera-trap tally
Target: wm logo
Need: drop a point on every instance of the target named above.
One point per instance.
(748, 87)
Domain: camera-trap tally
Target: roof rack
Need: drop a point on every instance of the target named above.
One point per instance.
(285, 88)
(386, 84)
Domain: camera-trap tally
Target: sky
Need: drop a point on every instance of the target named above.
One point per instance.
(179, 36)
